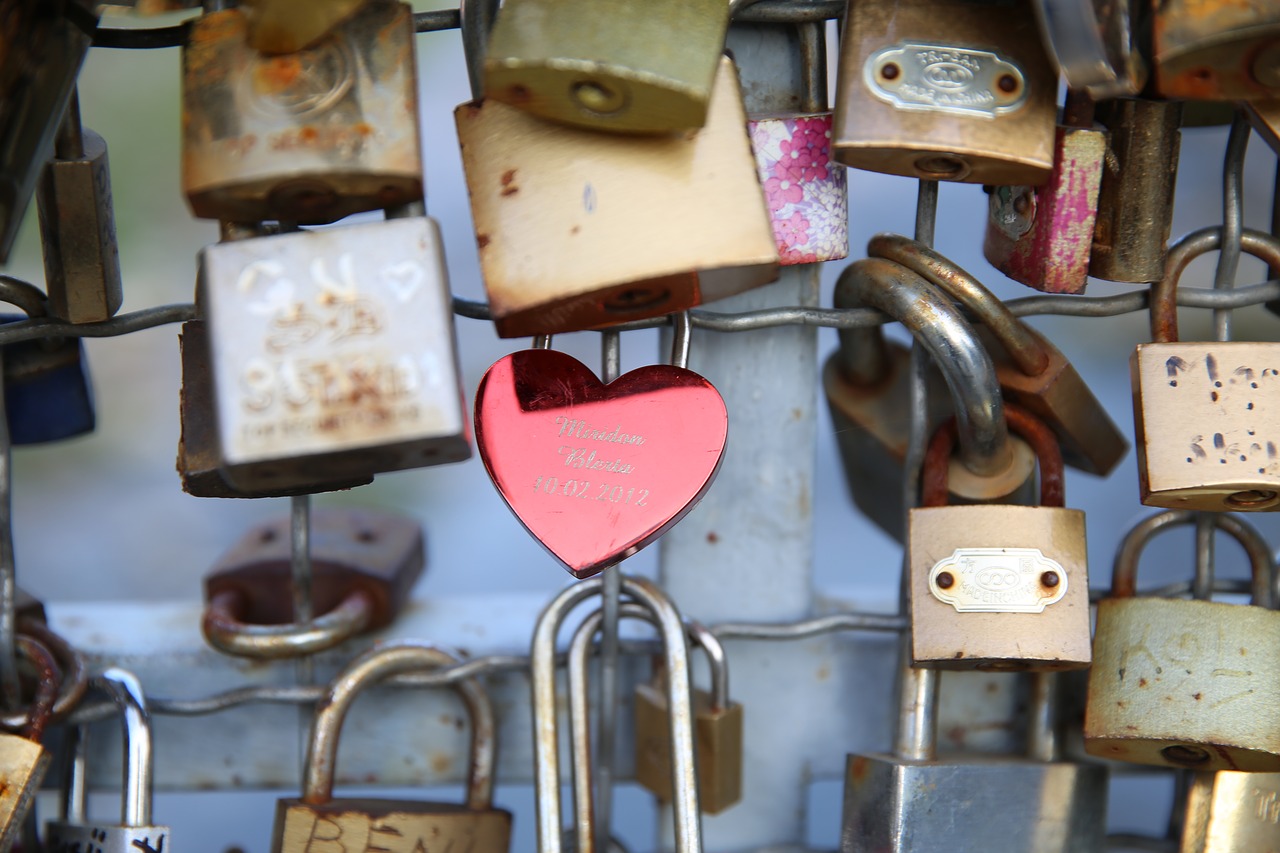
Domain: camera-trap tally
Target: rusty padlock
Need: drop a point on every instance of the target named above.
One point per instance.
(945, 90)
(364, 564)
(1203, 412)
(996, 586)
(1032, 372)
(1191, 684)
(1216, 51)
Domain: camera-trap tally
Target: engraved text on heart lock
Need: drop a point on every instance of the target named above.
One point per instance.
(596, 472)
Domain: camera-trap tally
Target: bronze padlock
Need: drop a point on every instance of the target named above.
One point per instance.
(945, 90)
(567, 219)
(306, 137)
(1203, 412)
(1032, 372)
(609, 65)
(996, 586)
(1232, 812)
(1215, 50)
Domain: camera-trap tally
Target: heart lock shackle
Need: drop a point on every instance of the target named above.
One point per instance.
(1204, 413)
(867, 386)
(995, 586)
(597, 471)
(75, 830)
(371, 824)
(1032, 372)
(642, 598)
(1191, 684)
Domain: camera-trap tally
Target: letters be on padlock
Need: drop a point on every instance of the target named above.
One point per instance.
(333, 350)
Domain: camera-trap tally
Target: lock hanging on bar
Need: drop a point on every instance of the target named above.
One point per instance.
(945, 90)
(367, 824)
(1165, 669)
(306, 137)
(1216, 51)
(1204, 412)
(74, 830)
(995, 586)
(23, 758)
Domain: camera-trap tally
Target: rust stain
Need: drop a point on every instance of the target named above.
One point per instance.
(1142, 682)
(482, 240)
(1196, 696)
(506, 191)
(440, 763)
(712, 537)
(275, 75)
(824, 672)
(508, 177)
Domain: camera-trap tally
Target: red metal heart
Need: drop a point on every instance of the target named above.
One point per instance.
(596, 472)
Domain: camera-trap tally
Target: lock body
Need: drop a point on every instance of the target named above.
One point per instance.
(199, 461)
(1041, 236)
(1232, 812)
(806, 193)
(1135, 198)
(1001, 803)
(718, 745)
(47, 391)
(365, 824)
(78, 227)
(287, 26)
(948, 90)
(608, 64)
(307, 137)
(333, 351)
(566, 219)
(1202, 419)
(23, 764)
(104, 837)
(1164, 673)
(999, 587)
(1216, 51)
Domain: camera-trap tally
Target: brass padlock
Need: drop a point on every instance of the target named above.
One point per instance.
(1216, 51)
(364, 565)
(78, 226)
(42, 46)
(23, 760)
(333, 354)
(1232, 812)
(373, 824)
(566, 219)
(1032, 372)
(717, 731)
(1041, 236)
(1166, 670)
(608, 64)
(287, 26)
(1135, 198)
(134, 833)
(995, 586)
(867, 387)
(945, 90)
(1201, 413)
(306, 137)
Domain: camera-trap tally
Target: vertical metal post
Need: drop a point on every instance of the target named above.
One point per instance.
(10, 692)
(611, 358)
(300, 566)
(746, 552)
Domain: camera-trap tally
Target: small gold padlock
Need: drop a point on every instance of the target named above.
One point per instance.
(717, 733)
(1232, 812)
(608, 64)
(1203, 412)
(567, 220)
(1191, 684)
(997, 586)
(306, 137)
(1216, 51)
(945, 90)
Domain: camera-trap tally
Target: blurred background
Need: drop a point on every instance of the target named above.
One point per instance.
(103, 518)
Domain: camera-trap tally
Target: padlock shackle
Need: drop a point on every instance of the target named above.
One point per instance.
(682, 332)
(1026, 350)
(1164, 293)
(224, 627)
(1043, 443)
(546, 756)
(949, 339)
(477, 17)
(1124, 572)
(126, 692)
(379, 664)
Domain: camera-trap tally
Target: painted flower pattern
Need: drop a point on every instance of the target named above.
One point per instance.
(804, 190)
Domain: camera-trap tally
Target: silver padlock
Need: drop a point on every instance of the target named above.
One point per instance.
(333, 351)
(74, 831)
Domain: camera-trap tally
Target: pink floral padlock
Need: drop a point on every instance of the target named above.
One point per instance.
(805, 191)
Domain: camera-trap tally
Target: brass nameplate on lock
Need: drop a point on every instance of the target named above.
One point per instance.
(998, 580)
(1205, 425)
(940, 78)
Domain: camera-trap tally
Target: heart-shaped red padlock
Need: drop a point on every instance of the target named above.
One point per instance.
(596, 472)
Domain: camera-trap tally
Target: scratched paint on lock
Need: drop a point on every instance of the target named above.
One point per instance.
(331, 340)
(595, 472)
(1205, 416)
